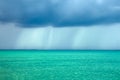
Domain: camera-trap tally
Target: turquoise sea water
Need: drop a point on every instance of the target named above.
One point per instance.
(59, 65)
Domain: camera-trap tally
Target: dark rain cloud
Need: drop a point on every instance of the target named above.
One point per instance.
(60, 12)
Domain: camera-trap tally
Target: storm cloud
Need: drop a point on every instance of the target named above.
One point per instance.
(60, 12)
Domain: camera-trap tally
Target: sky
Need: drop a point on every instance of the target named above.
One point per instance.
(59, 24)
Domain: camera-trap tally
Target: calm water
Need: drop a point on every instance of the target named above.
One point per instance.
(59, 65)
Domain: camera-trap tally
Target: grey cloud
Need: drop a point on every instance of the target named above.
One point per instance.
(60, 12)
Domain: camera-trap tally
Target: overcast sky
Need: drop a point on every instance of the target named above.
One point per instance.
(59, 24)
